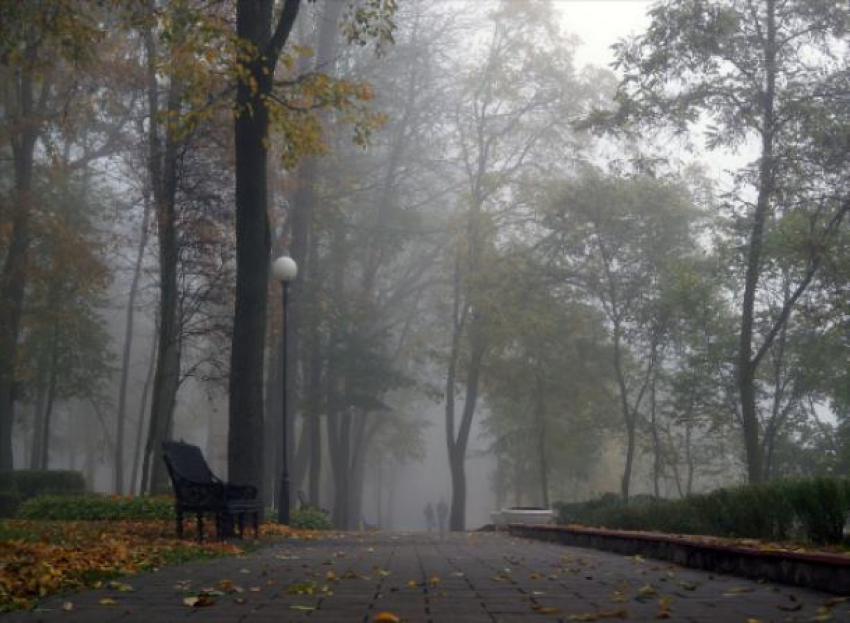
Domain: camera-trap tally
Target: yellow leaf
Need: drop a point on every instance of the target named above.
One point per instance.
(386, 617)
(107, 601)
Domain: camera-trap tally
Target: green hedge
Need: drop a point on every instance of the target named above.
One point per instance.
(308, 518)
(94, 507)
(30, 483)
(813, 510)
(9, 498)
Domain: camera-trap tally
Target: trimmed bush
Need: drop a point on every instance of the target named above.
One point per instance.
(97, 507)
(309, 518)
(31, 483)
(813, 510)
(9, 498)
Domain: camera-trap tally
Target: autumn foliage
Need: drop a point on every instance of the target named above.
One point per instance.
(41, 558)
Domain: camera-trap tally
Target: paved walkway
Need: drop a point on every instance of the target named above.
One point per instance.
(458, 578)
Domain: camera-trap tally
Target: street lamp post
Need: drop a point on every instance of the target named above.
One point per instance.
(284, 270)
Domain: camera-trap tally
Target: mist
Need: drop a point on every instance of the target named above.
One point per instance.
(532, 269)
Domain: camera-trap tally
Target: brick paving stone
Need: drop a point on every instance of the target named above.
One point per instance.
(427, 578)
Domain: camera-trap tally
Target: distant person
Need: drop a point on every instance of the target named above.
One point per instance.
(442, 512)
(429, 517)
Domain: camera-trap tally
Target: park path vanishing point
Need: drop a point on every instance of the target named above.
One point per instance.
(425, 578)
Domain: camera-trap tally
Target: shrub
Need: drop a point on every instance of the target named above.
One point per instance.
(309, 518)
(97, 507)
(9, 502)
(813, 510)
(34, 482)
(9, 498)
(821, 508)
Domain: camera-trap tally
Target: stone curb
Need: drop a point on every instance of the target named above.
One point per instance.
(818, 571)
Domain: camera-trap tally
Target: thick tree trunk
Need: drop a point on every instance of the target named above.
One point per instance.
(253, 243)
(13, 277)
(128, 346)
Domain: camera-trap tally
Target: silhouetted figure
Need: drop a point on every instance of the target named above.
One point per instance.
(442, 512)
(429, 517)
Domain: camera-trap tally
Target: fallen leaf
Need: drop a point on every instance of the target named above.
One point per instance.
(598, 616)
(107, 601)
(198, 601)
(663, 608)
(791, 608)
(545, 609)
(386, 617)
(68, 606)
(302, 608)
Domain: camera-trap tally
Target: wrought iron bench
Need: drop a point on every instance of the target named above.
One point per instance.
(197, 490)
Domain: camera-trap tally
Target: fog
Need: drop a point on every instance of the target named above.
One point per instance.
(532, 268)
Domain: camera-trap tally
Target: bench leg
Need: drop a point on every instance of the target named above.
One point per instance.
(256, 525)
(201, 527)
(179, 524)
(241, 525)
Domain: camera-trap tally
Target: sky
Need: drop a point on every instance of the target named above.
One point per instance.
(600, 23)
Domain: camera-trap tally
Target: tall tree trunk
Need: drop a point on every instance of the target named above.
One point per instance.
(162, 166)
(135, 485)
(304, 296)
(13, 277)
(540, 413)
(48, 408)
(747, 367)
(626, 411)
(253, 242)
(271, 444)
(656, 440)
(690, 459)
(38, 420)
(314, 402)
(457, 516)
(128, 346)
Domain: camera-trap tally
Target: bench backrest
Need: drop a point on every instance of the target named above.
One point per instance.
(186, 461)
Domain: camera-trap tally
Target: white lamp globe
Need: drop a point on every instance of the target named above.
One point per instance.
(284, 269)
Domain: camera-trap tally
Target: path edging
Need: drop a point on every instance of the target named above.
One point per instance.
(818, 571)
